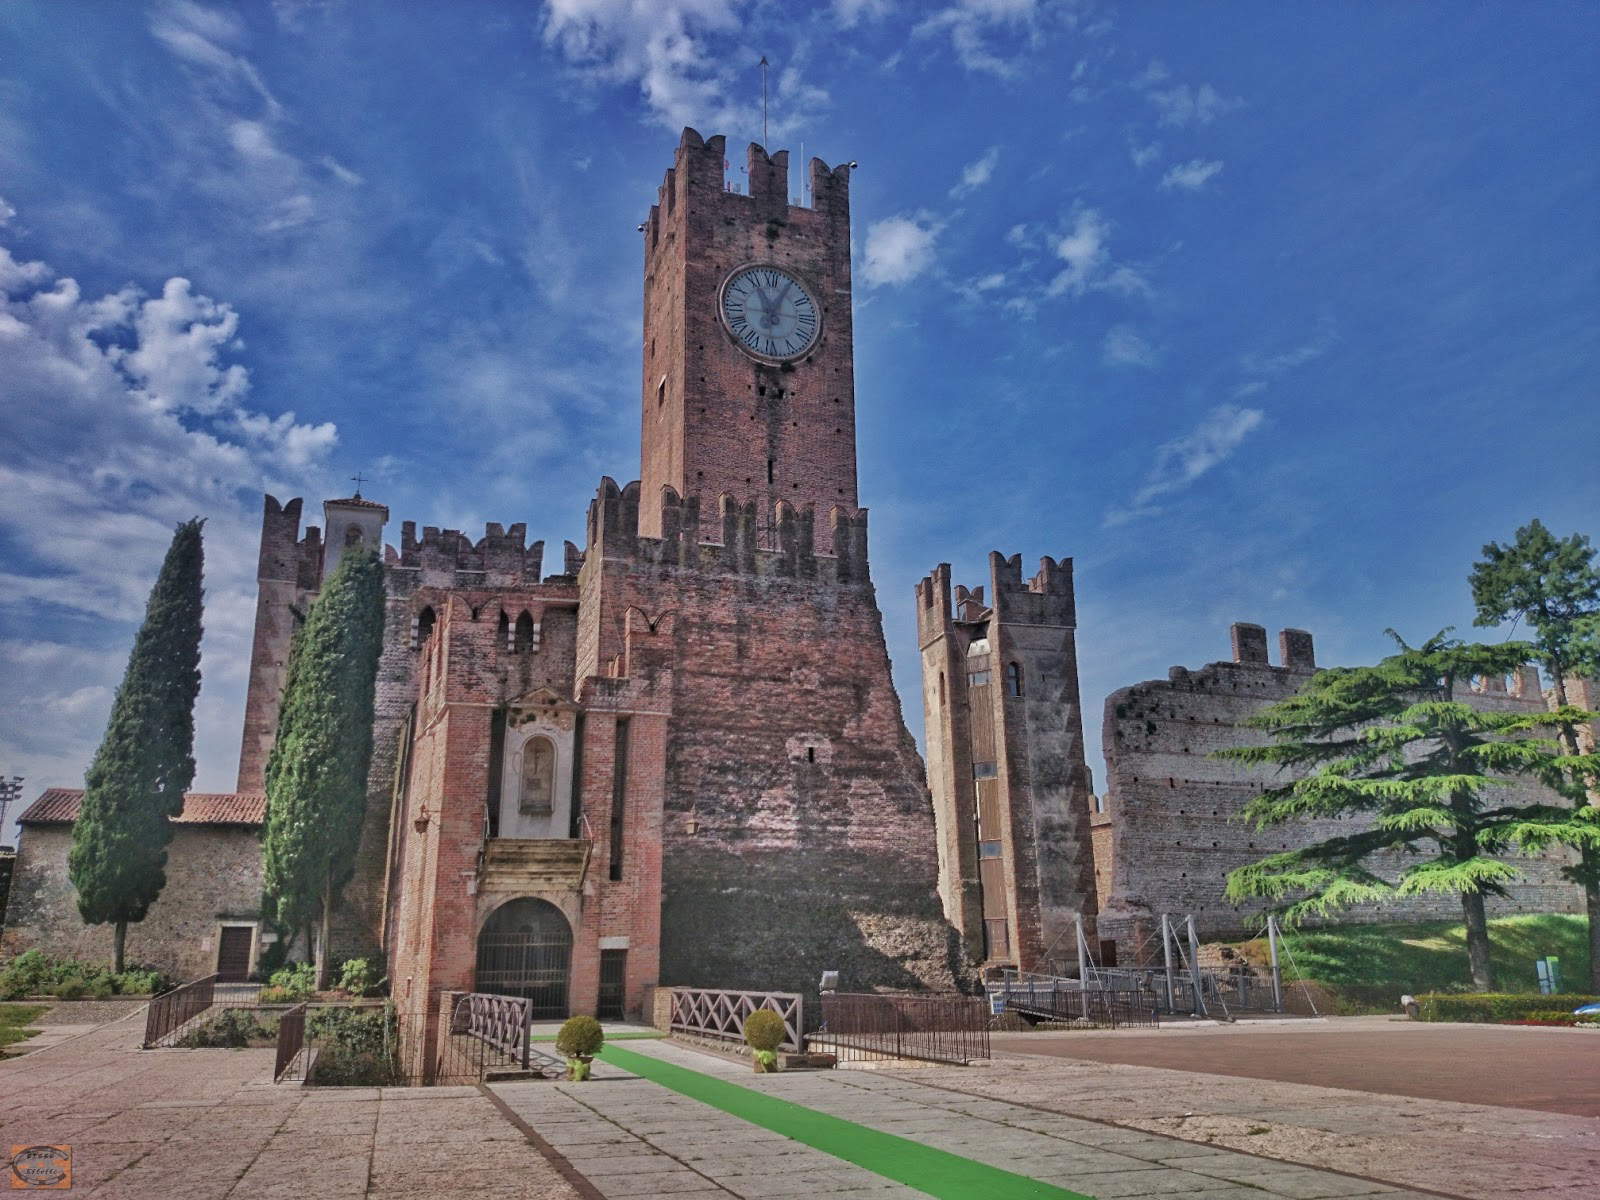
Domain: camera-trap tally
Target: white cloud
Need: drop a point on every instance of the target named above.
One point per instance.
(1153, 74)
(1085, 248)
(978, 172)
(201, 37)
(124, 417)
(974, 26)
(1143, 156)
(1185, 105)
(1124, 347)
(340, 172)
(847, 14)
(1190, 176)
(898, 249)
(1183, 460)
(1270, 365)
(683, 57)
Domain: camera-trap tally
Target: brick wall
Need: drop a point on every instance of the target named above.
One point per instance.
(1173, 828)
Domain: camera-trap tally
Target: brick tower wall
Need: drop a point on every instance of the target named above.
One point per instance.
(799, 835)
(712, 417)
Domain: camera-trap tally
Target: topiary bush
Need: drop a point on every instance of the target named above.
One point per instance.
(579, 1040)
(764, 1033)
(1494, 1006)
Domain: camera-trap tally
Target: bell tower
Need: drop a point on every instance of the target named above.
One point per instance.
(720, 416)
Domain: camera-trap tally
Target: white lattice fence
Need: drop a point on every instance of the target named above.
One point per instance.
(708, 1012)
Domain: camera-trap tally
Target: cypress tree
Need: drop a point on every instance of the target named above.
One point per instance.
(317, 771)
(1551, 584)
(145, 762)
(1394, 744)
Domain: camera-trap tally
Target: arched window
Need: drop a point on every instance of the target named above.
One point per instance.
(352, 535)
(941, 687)
(1014, 679)
(524, 640)
(536, 797)
(425, 623)
(504, 631)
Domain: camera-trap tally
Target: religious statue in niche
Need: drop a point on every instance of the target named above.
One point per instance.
(537, 796)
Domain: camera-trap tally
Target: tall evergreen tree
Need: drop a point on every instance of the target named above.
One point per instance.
(317, 771)
(1393, 743)
(1552, 585)
(145, 762)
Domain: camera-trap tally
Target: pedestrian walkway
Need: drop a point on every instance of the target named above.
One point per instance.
(695, 1124)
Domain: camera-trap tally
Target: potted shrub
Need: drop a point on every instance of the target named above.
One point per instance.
(763, 1032)
(578, 1042)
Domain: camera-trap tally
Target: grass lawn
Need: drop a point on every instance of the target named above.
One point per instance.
(12, 1019)
(1369, 966)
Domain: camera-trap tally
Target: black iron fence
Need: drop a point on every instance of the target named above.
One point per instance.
(381, 1046)
(1050, 998)
(860, 1028)
(168, 1013)
(715, 1013)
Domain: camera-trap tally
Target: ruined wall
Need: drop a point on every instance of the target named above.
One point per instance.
(213, 878)
(798, 832)
(1172, 810)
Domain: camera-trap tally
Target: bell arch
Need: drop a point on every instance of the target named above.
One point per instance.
(525, 949)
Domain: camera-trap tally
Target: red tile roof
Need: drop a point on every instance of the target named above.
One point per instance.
(359, 502)
(59, 806)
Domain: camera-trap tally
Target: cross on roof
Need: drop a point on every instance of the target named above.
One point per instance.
(359, 480)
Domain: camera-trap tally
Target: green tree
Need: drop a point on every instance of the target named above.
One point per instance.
(317, 771)
(145, 762)
(1551, 584)
(1425, 774)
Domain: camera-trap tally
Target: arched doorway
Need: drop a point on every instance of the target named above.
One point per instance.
(525, 949)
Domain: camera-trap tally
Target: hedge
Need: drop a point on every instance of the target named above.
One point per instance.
(1493, 1006)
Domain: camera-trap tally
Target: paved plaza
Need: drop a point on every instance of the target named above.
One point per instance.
(209, 1125)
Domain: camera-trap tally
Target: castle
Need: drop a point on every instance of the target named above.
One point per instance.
(678, 758)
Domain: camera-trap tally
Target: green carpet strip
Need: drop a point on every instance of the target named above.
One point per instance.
(936, 1172)
(635, 1035)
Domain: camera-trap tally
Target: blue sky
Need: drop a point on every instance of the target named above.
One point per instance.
(1260, 311)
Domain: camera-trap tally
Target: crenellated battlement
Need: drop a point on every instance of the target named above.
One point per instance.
(501, 558)
(1045, 599)
(698, 178)
(614, 534)
(286, 556)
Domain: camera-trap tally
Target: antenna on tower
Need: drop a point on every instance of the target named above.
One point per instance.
(763, 65)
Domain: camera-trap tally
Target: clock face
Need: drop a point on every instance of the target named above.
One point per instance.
(770, 312)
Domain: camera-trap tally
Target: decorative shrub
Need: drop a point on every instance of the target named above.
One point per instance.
(231, 1029)
(35, 973)
(579, 1040)
(296, 981)
(358, 977)
(764, 1033)
(356, 1047)
(141, 981)
(1494, 1006)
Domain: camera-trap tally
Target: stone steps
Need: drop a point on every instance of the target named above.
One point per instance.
(534, 863)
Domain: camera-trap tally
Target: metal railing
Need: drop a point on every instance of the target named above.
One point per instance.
(1054, 998)
(291, 1041)
(860, 1027)
(169, 1012)
(502, 1022)
(713, 1013)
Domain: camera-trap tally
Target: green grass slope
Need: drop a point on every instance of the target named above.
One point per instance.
(1367, 967)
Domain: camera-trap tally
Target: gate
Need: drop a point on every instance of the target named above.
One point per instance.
(525, 950)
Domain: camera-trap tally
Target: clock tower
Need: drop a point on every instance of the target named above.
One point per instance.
(749, 388)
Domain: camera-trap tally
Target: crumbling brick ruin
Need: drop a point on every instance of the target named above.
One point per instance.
(1169, 833)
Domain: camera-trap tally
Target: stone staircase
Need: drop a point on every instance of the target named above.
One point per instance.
(534, 864)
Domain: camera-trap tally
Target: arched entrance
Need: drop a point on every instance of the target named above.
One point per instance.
(525, 949)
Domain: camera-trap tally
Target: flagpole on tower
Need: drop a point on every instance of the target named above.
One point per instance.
(764, 145)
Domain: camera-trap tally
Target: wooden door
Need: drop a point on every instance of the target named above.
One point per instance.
(233, 954)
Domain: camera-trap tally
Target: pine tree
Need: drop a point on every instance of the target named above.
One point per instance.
(317, 771)
(1551, 584)
(1393, 744)
(145, 762)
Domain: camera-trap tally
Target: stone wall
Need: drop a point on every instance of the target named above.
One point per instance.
(213, 879)
(1172, 811)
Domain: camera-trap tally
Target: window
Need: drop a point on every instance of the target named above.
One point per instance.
(978, 679)
(661, 391)
(425, 623)
(984, 770)
(352, 535)
(536, 798)
(1014, 679)
(619, 795)
(524, 639)
(988, 849)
